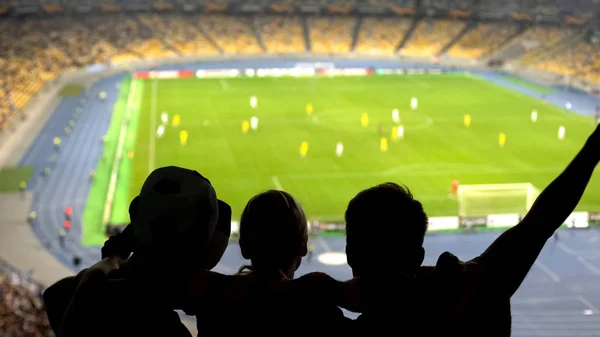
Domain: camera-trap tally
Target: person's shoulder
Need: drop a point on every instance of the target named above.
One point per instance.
(449, 265)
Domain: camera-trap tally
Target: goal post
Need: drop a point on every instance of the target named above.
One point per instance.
(486, 199)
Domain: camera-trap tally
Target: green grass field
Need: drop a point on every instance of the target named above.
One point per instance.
(437, 147)
(10, 178)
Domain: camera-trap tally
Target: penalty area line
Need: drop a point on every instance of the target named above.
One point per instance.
(153, 116)
(277, 183)
(224, 84)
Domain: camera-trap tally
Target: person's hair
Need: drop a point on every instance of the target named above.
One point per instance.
(384, 224)
(273, 234)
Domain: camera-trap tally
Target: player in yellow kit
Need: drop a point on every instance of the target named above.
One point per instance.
(395, 133)
(467, 120)
(176, 120)
(245, 126)
(309, 109)
(501, 139)
(384, 144)
(364, 120)
(303, 149)
(183, 137)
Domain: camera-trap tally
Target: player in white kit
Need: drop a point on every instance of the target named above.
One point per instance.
(161, 131)
(561, 133)
(534, 116)
(164, 117)
(396, 116)
(339, 149)
(253, 102)
(400, 132)
(254, 123)
(414, 103)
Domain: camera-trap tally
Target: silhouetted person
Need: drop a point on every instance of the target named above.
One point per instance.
(177, 226)
(439, 299)
(62, 238)
(273, 236)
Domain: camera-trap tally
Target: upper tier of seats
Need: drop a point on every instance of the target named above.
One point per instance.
(35, 50)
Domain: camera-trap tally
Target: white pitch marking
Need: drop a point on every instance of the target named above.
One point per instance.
(588, 304)
(547, 271)
(324, 244)
(223, 84)
(152, 145)
(277, 183)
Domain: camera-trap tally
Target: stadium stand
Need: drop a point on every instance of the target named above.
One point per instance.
(34, 50)
(155, 28)
(281, 34)
(578, 59)
(118, 33)
(22, 311)
(331, 35)
(482, 39)
(381, 36)
(430, 37)
(233, 35)
(537, 39)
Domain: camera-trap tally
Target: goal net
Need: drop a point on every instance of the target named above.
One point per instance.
(483, 200)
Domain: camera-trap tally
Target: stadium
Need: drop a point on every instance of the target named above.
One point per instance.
(475, 105)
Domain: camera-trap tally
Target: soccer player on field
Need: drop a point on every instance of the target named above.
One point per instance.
(303, 149)
(253, 102)
(245, 127)
(396, 116)
(364, 120)
(414, 103)
(309, 109)
(183, 137)
(501, 139)
(467, 120)
(176, 120)
(254, 123)
(454, 188)
(160, 131)
(164, 117)
(339, 149)
(400, 131)
(383, 144)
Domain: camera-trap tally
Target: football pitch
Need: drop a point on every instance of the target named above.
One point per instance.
(437, 147)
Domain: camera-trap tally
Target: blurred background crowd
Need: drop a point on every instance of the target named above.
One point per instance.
(550, 35)
(21, 305)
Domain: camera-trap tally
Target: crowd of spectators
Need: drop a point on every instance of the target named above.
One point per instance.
(22, 312)
(381, 35)
(331, 35)
(281, 34)
(482, 39)
(578, 59)
(431, 36)
(35, 50)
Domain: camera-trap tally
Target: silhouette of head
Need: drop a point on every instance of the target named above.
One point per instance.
(273, 234)
(177, 217)
(385, 226)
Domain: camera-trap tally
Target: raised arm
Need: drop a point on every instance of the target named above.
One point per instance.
(509, 258)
